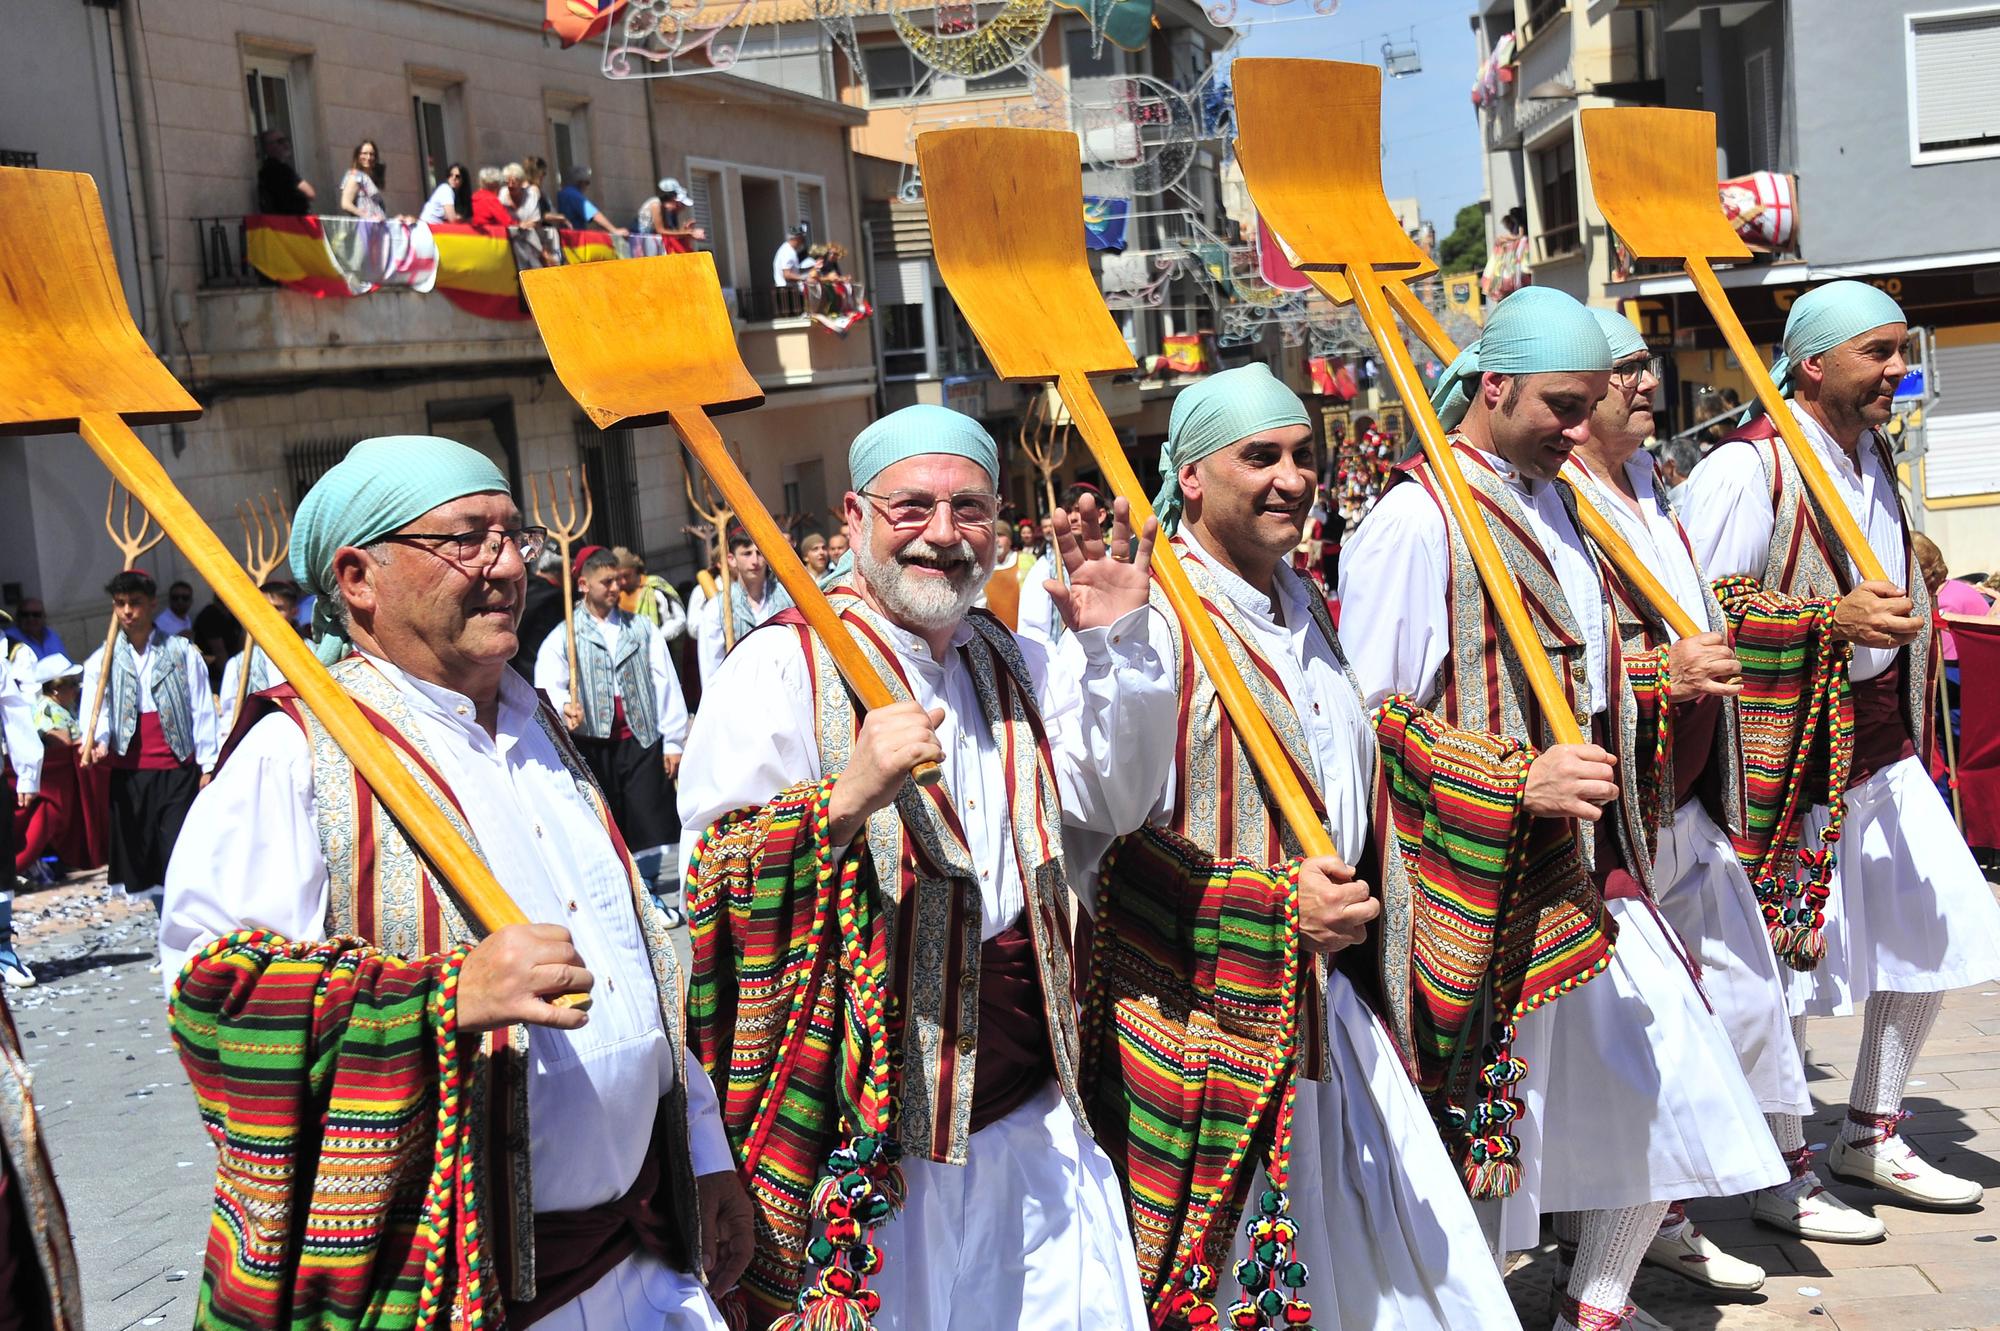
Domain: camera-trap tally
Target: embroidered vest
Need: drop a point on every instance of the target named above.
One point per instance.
(34, 1180)
(380, 889)
(174, 662)
(631, 666)
(921, 864)
(1804, 560)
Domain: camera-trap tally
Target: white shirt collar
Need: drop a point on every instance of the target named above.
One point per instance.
(1286, 583)
(517, 699)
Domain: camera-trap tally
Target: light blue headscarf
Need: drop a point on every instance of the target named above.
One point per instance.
(914, 431)
(1827, 316)
(1537, 330)
(1623, 338)
(381, 484)
(1217, 412)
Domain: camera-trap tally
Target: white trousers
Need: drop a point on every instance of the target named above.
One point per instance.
(639, 1294)
(1910, 911)
(1031, 1232)
(1701, 889)
(1633, 1095)
(1385, 1228)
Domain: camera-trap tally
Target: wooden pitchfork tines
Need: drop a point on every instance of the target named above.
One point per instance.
(133, 538)
(1016, 267)
(586, 313)
(266, 545)
(566, 527)
(711, 510)
(72, 359)
(1652, 170)
(1045, 441)
(1325, 198)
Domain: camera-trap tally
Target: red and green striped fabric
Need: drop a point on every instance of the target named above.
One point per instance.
(329, 1077)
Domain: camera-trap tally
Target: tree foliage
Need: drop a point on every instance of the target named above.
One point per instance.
(1464, 250)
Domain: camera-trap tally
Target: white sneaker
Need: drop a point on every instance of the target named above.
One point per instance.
(1814, 1213)
(15, 971)
(1688, 1253)
(1895, 1167)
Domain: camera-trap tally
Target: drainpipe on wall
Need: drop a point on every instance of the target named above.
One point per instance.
(151, 187)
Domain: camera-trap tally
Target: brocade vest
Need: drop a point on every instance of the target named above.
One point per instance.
(630, 667)
(175, 661)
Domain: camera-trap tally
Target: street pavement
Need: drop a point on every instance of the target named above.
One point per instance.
(135, 1165)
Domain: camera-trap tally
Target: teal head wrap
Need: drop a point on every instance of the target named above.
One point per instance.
(917, 430)
(1827, 316)
(1619, 333)
(381, 484)
(1217, 412)
(1537, 330)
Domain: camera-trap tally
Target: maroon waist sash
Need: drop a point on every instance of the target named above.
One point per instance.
(576, 1249)
(1014, 1058)
(1881, 735)
(1694, 744)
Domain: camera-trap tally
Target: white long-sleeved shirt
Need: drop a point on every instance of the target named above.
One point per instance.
(1650, 532)
(1393, 577)
(1107, 704)
(23, 742)
(201, 705)
(1037, 618)
(1728, 515)
(708, 636)
(552, 673)
(225, 701)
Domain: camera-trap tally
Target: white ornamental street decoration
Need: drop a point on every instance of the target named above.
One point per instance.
(654, 39)
(958, 45)
(1138, 127)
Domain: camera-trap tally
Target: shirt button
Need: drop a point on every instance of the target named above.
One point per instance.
(572, 907)
(538, 829)
(463, 711)
(985, 873)
(611, 984)
(1315, 709)
(972, 804)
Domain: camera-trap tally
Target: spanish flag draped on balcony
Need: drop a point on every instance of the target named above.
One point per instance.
(476, 268)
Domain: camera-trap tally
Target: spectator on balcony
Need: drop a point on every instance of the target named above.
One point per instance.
(524, 190)
(826, 261)
(279, 188)
(31, 629)
(573, 202)
(669, 213)
(450, 201)
(791, 266)
(360, 194)
(488, 208)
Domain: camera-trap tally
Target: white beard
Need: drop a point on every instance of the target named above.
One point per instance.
(925, 605)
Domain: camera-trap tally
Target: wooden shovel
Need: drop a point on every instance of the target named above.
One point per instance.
(1652, 170)
(132, 540)
(587, 314)
(1324, 196)
(1015, 264)
(71, 359)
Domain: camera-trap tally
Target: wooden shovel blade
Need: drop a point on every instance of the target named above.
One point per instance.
(634, 339)
(1006, 214)
(1652, 170)
(1330, 283)
(68, 346)
(1321, 191)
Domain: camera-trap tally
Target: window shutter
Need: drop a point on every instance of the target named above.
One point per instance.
(1960, 430)
(811, 212)
(1957, 98)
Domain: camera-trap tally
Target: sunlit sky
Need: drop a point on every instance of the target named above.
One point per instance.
(1430, 139)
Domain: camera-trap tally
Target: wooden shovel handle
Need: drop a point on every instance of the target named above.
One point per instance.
(705, 442)
(84, 758)
(1845, 529)
(140, 472)
(1372, 305)
(1426, 326)
(1252, 727)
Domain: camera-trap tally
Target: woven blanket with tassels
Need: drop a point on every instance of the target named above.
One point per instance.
(788, 1012)
(329, 1078)
(1190, 1038)
(1797, 711)
(1504, 919)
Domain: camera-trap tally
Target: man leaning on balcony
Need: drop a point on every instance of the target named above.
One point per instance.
(279, 187)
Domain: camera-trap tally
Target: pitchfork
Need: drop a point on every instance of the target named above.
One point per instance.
(717, 515)
(563, 525)
(266, 544)
(132, 541)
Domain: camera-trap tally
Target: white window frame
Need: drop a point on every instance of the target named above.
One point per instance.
(573, 114)
(446, 88)
(293, 63)
(1919, 155)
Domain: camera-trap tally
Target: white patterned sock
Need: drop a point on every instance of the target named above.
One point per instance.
(1608, 1251)
(1896, 1027)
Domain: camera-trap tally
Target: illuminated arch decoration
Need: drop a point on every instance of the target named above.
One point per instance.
(1138, 130)
(957, 44)
(1231, 14)
(651, 39)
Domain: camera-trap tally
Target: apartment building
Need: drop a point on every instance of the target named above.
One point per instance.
(164, 104)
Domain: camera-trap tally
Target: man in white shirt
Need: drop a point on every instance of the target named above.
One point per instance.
(789, 266)
(1011, 1215)
(1038, 618)
(1909, 915)
(614, 1190)
(754, 596)
(178, 616)
(627, 716)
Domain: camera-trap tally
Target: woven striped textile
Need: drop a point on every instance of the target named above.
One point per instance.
(1190, 1039)
(1797, 711)
(328, 1075)
(1505, 920)
(788, 1012)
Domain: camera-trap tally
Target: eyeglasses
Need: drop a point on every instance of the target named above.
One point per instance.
(910, 510)
(481, 549)
(1628, 375)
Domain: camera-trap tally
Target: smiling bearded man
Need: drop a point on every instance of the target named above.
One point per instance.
(882, 968)
(1639, 1034)
(603, 1178)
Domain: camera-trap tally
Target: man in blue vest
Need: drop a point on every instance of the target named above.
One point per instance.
(625, 712)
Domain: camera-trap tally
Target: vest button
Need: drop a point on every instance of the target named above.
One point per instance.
(966, 1044)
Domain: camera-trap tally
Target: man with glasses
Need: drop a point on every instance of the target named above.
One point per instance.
(953, 1029)
(609, 1177)
(1908, 915)
(178, 616)
(31, 629)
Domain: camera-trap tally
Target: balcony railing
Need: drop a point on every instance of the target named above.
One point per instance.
(225, 255)
(764, 304)
(1559, 242)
